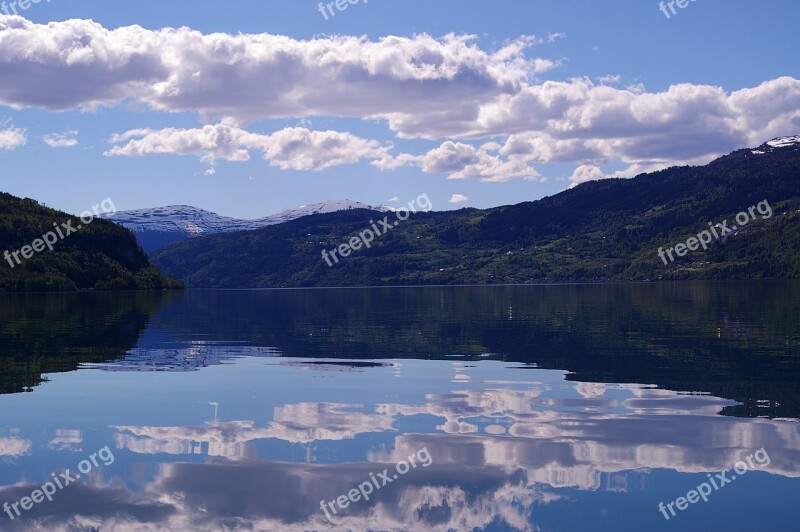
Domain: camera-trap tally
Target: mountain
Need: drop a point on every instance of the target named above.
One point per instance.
(98, 256)
(776, 144)
(155, 228)
(605, 230)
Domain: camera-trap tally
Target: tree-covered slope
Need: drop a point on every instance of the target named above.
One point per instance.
(599, 231)
(101, 255)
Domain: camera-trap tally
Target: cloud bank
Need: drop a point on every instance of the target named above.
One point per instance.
(445, 89)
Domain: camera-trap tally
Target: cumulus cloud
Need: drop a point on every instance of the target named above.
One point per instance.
(461, 161)
(580, 121)
(301, 149)
(458, 198)
(12, 138)
(289, 149)
(210, 143)
(249, 76)
(609, 79)
(67, 139)
(543, 65)
(584, 173)
(442, 89)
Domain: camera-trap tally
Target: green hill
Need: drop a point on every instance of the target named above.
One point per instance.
(599, 231)
(100, 256)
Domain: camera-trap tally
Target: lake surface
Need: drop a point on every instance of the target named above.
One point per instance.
(522, 408)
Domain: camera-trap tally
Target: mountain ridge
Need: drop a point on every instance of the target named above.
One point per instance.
(605, 230)
(101, 256)
(156, 227)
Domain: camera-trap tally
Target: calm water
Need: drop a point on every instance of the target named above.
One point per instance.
(552, 408)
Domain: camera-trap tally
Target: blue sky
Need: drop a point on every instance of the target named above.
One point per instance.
(545, 95)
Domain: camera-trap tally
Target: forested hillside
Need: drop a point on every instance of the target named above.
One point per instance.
(100, 255)
(599, 231)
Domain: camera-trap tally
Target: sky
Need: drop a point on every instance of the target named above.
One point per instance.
(249, 107)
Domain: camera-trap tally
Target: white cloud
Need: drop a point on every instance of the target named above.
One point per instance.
(250, 76)
(579, 121)
(585, 173)
(301, 149)
(544, 65)
(289, 149)
(458, 198)
(461, 161)
(609, 79)
(61, 140)
(12, 138)
(210, 143)
(441, 89)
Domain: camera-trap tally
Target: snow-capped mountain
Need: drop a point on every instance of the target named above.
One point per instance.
(180, 219)
(317, 208)
(155, 228)
(778, 143)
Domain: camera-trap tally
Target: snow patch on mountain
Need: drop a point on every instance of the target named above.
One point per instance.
(782, 142)
(192, 221)
(777, 143)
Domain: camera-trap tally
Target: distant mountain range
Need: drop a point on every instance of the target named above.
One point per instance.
(602, 230)
(155, 228)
